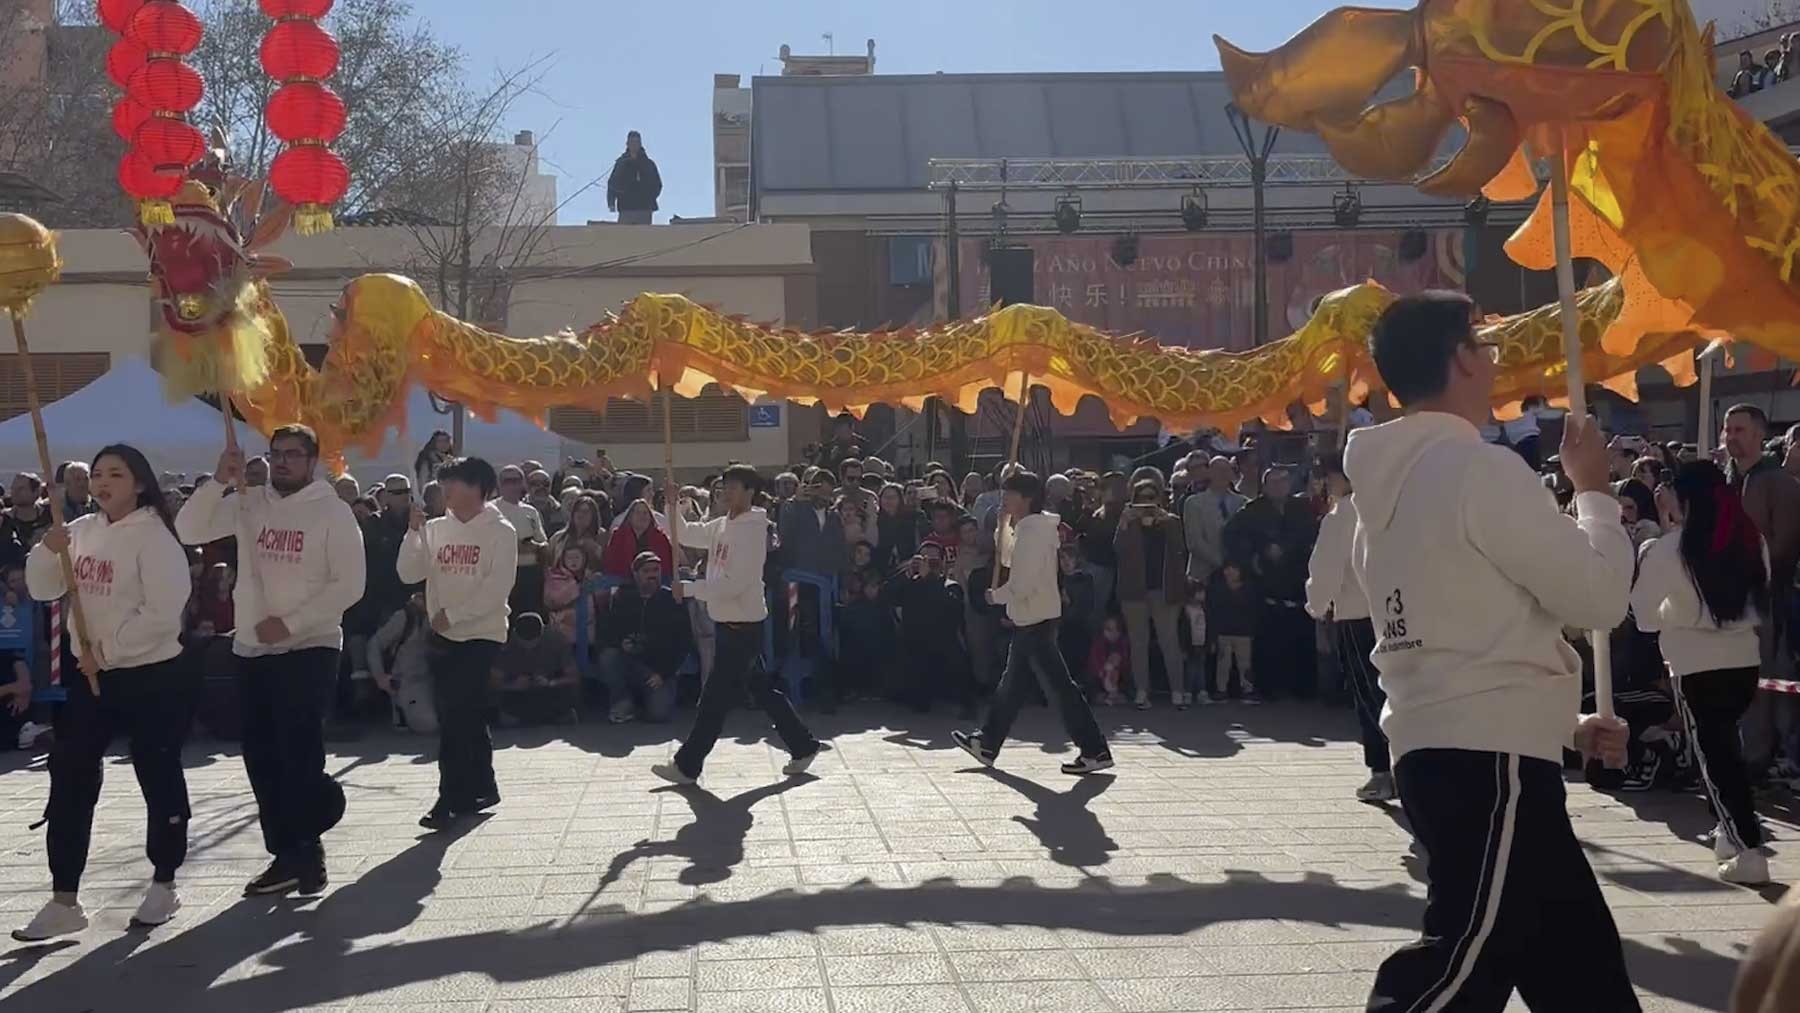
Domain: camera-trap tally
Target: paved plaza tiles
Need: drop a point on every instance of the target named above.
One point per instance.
(1225, 867)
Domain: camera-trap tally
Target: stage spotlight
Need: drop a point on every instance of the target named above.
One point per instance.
(1193, 210)
(1346, 207)
(1068, 213)
(1476, 211)
(999, 214)
(1125, 249)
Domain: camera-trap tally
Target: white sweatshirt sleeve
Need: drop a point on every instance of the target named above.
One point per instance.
(44, 576)
(697, 536)
(1652, 586)
(738, 580)
(163, 574)
(1580, 573)
(1330, 560)
(206, 516)
(413, 564)
(1032, 566)
(489, 594)
(346, 570)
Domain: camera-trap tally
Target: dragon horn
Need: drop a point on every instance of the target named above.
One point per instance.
(1330, 69)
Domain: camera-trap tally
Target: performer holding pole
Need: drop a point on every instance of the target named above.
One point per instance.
(1004, 533)
(1471, 574)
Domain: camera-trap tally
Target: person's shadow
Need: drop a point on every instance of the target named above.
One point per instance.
(713, 843)
(1065, 827)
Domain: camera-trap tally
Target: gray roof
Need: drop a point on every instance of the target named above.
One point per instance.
(879, 132)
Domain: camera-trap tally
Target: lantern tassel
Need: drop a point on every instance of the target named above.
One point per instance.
(312, 219)
(156, 212)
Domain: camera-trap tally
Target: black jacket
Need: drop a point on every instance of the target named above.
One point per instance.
(931, 612)
(1261, 524)
(659, 624)
(634, 184)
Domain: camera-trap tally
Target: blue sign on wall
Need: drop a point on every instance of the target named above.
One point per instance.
(765, 416)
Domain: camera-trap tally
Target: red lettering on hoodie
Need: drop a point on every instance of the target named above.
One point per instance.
(458, 559)
(94, 574)
(283, 545)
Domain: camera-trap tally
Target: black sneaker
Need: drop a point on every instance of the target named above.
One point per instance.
(334, 806)
(280, 877)
(1642, 776)
(486, 802)
(441, 817)
(312, 877)
(970, 742)
(1089, 764)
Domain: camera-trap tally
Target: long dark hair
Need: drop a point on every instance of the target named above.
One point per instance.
(1720, 545)
(424, 464)
(1638, 493)
(150, 493)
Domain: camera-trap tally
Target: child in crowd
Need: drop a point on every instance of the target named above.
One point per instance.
(1199, 682)
(562, 588)
(1109, 660)
(1231, 606)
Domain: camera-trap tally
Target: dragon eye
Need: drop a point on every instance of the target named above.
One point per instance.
(190, 307)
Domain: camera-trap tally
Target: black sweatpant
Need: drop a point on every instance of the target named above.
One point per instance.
(1355, 642)
(152, 705)
(1034, 650)
(1711, 704)
(1512, 903)
(737, 662)
(286, 698)
(460, 673)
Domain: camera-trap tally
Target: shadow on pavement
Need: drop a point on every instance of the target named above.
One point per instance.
(1064, 826)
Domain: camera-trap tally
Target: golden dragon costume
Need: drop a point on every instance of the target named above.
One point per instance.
(218, 327)
(1688, 199)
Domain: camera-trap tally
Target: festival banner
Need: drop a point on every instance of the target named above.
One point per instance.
(1197, 290)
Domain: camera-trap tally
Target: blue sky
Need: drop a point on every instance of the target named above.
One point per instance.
(649, 66)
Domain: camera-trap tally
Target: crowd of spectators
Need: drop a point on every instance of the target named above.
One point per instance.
(1777, 66)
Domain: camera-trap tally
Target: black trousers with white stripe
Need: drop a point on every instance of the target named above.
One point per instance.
(1513, 903)
(1711, 704)
(1355, 642)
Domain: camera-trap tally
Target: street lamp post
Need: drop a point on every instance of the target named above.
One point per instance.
(1257, 152)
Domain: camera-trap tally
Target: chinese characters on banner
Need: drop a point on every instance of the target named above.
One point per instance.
(1197, 291)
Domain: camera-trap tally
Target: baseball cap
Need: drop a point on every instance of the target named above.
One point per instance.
(397, 483)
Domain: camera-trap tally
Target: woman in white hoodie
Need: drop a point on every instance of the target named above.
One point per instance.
(1704, 587)
(132, 575)
(1033, 602)
(468, 559)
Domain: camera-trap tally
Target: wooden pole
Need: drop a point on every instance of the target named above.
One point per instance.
(1571, 324)
(56, 511)
(1003, 534)
(231, 443)
(670, 509)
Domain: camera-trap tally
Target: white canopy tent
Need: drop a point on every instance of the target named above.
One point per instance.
(124, 405)
(510, 438)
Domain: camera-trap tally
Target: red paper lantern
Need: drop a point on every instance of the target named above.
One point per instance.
(140, 178)
(310, 174)
(116, 14)
(169, 143)
(164, 26)
(127, 116)
(167, 86)
(314, 9)
(306, 111)
(123, 60)
(299, 49)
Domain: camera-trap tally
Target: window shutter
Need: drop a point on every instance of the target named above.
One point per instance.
(713, 417)
(59, 374)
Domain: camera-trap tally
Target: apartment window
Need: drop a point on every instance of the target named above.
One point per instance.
(59, 374)
(713, 417)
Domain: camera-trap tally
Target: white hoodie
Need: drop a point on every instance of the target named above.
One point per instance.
(134, 582)
(300, 560)
(1331, 587)
(736, 547)
(1030, 593)
(468, 570)
(1665, 601)
(1472, 573)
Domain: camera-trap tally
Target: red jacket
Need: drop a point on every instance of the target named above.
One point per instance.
(623, 547)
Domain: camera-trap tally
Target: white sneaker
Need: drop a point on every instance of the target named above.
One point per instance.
(1747, 868)
(1379, 788)
(53, 919)
(29, 733)
(670, 773)
(160, 904)
(797, 766)
(1721, 844)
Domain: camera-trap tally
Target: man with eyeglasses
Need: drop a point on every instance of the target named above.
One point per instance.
(538, 494)
(528, 589)
(300, 567)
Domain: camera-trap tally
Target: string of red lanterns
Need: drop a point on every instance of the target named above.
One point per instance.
(304, 112)
(160, 90)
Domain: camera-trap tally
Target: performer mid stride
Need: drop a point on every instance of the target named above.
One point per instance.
(133, 578)
(1034, 604)
(300, 565)
(737, 546)
(1471, 574)
(468, 559)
